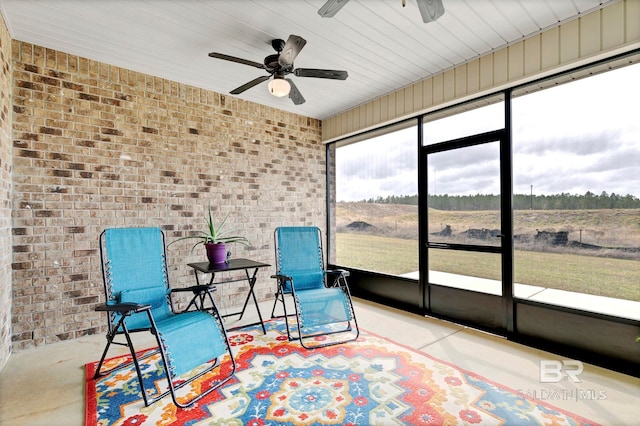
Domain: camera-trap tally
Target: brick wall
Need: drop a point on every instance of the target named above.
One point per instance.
(98, 146)
(5, 193)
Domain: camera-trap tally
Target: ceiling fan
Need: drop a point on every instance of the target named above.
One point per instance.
(429, 9)
(278, 66)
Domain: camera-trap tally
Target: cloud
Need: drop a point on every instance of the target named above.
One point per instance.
(381, 166)
(563, 142)
(572, 138)
(466, 171)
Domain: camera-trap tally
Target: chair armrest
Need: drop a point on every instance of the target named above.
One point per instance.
(122, 308)
(283, 281)
(338, 277)
(281, 277)
(195, 289)
(341, 272)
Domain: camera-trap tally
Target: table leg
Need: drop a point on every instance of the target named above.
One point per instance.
(201, 296)
(251, 279)
(252, 282)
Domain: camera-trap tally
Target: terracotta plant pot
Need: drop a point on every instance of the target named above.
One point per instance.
(216, 253)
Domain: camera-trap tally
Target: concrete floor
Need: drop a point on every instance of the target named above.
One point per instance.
(45, 386)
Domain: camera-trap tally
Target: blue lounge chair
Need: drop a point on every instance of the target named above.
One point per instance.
(136, 283)
(321, 297)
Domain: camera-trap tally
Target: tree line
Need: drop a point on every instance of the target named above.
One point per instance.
(563, 201)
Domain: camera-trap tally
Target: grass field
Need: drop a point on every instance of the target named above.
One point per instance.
(391, 246)
(610, 227)
(618, 278)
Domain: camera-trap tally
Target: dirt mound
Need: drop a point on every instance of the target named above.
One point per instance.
(360, 226)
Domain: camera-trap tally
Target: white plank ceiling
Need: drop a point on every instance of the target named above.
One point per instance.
(381, 44)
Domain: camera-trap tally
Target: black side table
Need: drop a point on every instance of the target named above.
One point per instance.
(233, 265)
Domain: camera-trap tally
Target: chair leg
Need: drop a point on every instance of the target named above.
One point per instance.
(134, 358)
(111, 335)
(173, 387)
(280, 297)
(275, 302)
(349, 328)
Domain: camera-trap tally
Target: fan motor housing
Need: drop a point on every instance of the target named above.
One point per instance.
(271, 63)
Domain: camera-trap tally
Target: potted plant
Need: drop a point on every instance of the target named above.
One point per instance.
(215, 239)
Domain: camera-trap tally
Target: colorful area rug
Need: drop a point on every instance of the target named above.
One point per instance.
(371, 381)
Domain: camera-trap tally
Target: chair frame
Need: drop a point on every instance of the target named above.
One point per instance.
(337, 278)
(125, 309)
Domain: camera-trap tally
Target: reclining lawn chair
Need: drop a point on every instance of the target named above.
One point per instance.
(321, 297)
(139, 299)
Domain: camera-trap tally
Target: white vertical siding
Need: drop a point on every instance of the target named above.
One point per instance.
(532, 51)
(612, 28)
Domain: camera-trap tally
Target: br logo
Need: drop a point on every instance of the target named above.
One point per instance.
(553, 371)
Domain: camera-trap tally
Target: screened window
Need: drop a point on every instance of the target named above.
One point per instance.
(576, 154)
(465, 120)
(376, 202)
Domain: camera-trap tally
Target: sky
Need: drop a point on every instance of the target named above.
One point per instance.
(572, 138)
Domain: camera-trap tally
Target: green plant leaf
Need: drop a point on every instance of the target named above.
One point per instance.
(214, 234)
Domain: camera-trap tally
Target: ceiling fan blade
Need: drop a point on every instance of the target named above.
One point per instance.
(430, 9)
(249, 85)
(318, 73)
(295, 94)
(291, 48)
(234, 59)
(331, 7)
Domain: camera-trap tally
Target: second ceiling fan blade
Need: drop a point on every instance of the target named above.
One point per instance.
(430, 9)
(295, 94)
(250, 84)
(331, 7)
(235, 59)
(318, 73)
(291, 48)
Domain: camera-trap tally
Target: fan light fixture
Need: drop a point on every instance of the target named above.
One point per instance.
(280, 65)
(279, 87)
